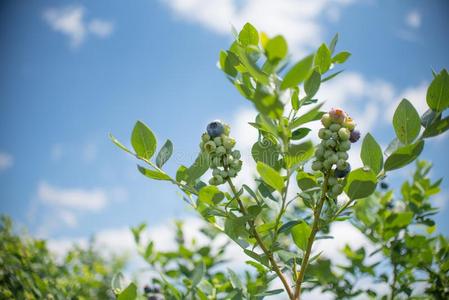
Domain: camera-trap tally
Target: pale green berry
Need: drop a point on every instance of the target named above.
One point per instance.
(227, 129)
(223, 173)
(344, 134)
(232, 173)
(317, 165)
(213, 181)
(323, 133)
(216, 172)
(236, 165)
(209, 147)
(344, 146)
(319, 152)
(337, 189)
(217, 141)
(326, 120)
(218, 177)
(334, 135)
(220, 150)
(331, 143)
(327, 164)
(216, 161)
(333, 158)
(205, 137)
(342, 164)
(349, 123)
(228, 143)
(328, 153)
(334, 127)
(236, 154)
(332, 180)
(342, 155)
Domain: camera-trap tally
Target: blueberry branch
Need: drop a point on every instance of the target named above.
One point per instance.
(260, 242)
(315, 229)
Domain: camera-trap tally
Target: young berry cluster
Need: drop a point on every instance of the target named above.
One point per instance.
(224, 161)
(336, 138)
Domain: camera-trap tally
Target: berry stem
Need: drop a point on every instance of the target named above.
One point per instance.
(315, 229)
(260, 242)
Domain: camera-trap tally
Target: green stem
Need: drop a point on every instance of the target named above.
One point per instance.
(261, 244)
(315, 229)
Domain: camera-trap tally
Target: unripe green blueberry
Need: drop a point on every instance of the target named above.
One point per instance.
(319, 152)
(331, 143)
(321, 133)
(326, 120)
(324, 133)
(215, 172)
(344, 134)
(335, 127)
(223, 173)
(328, 153)
(332, 180)
(217, 161)
(209, 147)
(349, 123)
(342, 155)
(227, 129)
(327, 164)
(220, 150)
(333, 158)
(228, 143)
(317, 165)
(334, 135)
(213, 181)
(342, 164)
(236, 165)
(337, 189)
(218, 178)
(236, 154)
(344, 146)
(232, 173)
(205, 137)
(217, 141)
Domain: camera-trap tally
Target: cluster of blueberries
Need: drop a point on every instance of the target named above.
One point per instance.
(336, 138)
(224, 161)
(152, 293)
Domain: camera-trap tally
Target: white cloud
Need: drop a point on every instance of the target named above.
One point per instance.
(413, 19)
(101, 28)
(72, 198)
(68, 217)
(296, 19)
(70, 21)
(6, 161)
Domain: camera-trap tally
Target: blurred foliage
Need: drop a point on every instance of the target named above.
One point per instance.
(30, 271)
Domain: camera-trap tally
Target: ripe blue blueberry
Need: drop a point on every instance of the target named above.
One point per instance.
(355, 135)
(384, 185)
(340, 174)
(215, 129)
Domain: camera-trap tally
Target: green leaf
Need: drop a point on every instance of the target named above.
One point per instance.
(153, 174)
(312, 84)
(276, 48)
(406, 122)
(331, 76)
(301, 234)
(270, 293)
(251, 66)
(164, 154)
(120, 145)
(263, 259)
(235, 280)
(130, 293)
(266, 152)
(198, 274)
(228, 62)
(438, 92)
(305, 180)
(371, 154)
(198, 168)
(295, 98)
(436, 128)
(300, 133)
(286, 228)
(118, 282)
(235, 227)
(341, 57)
(310, 116)
(211, 195)
(298, 73)
(270, 176)
(333, 43)
(143, 140)
(403, 156)
(249, 35)
(401, 219)
(360, 183)
(323, 58)
(298, 153)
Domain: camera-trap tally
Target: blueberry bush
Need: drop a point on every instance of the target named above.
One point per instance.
(277, 232)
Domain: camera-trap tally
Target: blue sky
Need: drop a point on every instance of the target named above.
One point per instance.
(73, 71)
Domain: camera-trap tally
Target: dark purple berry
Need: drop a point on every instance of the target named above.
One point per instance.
(384, 185)
(342, 173)
(354, 137)
(147, 289)
(215, 129)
